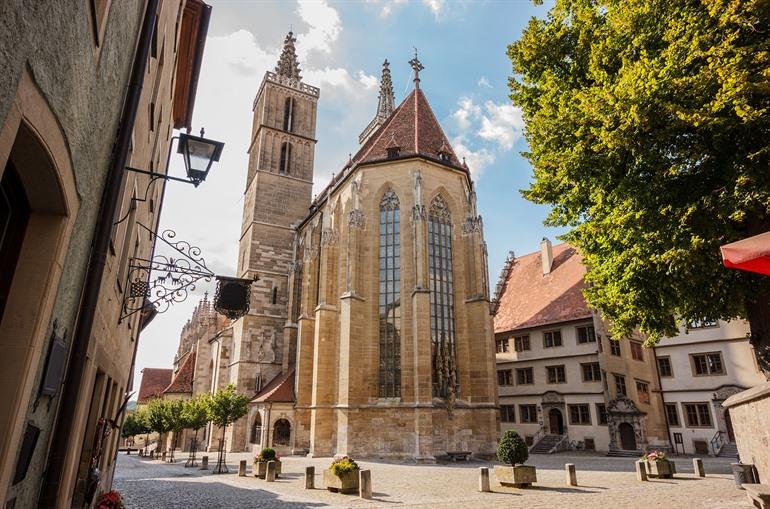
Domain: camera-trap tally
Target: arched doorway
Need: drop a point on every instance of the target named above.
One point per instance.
(627, 437)
(729, 426)
(282, 432)
(256, 430)
(555, 422)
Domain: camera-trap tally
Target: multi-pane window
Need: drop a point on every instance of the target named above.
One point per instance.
(442, 319)
(525, 376)
(643, 392)
(556, 374)
(636, 351)
(521, 343)
(586, 334)
(620, 385)
(708, 364)
(505, 377)
(390, 297)
(527, 413)
(591, 372)
(579, 414)
(697, 415)
(614, 347)
(508, 413)
(552, 338)
(501, 345)
(702, 323)
(601, 413)
(664, 367)
(672, 415)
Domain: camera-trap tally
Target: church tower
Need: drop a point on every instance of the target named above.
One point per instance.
(278, 193)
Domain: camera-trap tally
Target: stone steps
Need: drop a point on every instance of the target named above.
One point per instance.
(620, 453)
(545, 445)
(729, 450)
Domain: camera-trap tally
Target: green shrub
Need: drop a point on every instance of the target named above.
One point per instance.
(343, 466)
(267, 454)
(512, 449)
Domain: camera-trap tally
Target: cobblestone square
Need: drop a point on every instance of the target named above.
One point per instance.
(602, 482)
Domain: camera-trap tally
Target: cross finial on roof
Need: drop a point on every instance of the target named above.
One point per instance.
(417, 67)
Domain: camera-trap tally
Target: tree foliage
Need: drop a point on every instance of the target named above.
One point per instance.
(131, 426)
(226, 406)
(157, 416)
(194, 413)
(648, 123)
(512, 449)
(174, 410)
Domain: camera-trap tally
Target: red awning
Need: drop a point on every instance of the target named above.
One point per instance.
(752, 254)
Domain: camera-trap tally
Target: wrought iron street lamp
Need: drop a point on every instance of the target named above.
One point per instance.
(199, 154)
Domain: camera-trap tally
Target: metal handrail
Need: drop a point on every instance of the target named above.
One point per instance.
(560, 444)
(538, 437)
(717, 442)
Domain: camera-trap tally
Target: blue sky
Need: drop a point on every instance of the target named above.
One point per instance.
(341, 47)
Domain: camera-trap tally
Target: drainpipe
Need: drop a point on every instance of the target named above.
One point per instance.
(64, 428)
(663, 400)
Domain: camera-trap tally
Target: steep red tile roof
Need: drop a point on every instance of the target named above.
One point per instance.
(182, 382)
(413, 128)
(154, 380)
(531, 299)
(279, 390)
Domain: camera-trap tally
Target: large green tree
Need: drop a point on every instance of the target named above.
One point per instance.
(648, 123)
(224, 407)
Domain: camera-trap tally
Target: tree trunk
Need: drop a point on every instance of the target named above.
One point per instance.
(758, 313)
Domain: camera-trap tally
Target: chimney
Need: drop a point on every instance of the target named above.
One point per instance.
(546, 255)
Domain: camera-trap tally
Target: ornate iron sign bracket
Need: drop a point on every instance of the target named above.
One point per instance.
(163, 280)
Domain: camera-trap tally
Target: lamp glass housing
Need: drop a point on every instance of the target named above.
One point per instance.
(199, 154)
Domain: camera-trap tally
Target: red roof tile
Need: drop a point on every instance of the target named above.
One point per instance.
(531, 299)
(154, 380)
(413, 128)
(182, 382)
(279, 390)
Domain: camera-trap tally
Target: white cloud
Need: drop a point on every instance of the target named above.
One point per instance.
(503, 124)
(467, 113)
(476, 160)
(435, 5)
(325, 27)
(484, 82)
(387, 6)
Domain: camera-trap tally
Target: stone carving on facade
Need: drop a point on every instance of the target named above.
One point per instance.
(725, 392)
(472, 224)
(623, 410)
(418, 211)
(329, 237)
(552, 398)
(440, 210)
(446, 373)
(356, 218)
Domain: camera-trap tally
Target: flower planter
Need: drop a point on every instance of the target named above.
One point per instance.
(660, 469)
(520, 476)
(260, 469)
(345, 483)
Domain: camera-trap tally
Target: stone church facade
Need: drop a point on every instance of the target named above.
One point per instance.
(370, 330)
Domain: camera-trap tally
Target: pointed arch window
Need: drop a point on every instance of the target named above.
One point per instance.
(288, 114)
(285, 163)
(442, 311)
(390, 296)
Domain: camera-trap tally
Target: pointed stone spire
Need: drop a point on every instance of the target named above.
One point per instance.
(288, 65)
(387, 102)
(385, 105)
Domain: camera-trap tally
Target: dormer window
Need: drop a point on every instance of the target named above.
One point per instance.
(393, 152)
(444, 156)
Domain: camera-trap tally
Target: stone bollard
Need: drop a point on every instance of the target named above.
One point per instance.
(242, 468)
(484, 480)
(641, 470)
(365, 484)
(270, 477)
(204, 463)
(571, 474)
(697, 467)
(163, 456)
(673, 467)
(309, 478)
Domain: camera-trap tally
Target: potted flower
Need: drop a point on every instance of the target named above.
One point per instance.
(513, 451)
(110, 500)
(342, 476)
(658, 465)
(260, 463)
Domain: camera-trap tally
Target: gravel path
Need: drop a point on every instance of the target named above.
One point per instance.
(603, 482)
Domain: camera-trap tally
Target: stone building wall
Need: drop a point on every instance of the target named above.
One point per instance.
(749, 411)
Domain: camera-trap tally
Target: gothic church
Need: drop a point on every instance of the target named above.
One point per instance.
(370, 331)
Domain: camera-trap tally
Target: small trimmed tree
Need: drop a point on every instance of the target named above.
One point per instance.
(176, 421)
(196, 417)
(131, 427)
(140, 417)
(224, 407)
(157, 418)
(512, 449)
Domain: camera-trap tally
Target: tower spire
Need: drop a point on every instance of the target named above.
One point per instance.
(387, 101)
(417, 67)
(288, 65)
